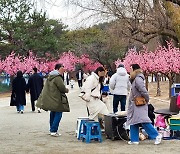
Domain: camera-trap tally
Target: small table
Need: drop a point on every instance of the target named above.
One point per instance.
(166, 112)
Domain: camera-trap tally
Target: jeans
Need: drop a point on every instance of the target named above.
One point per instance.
(116, 100)
(148, 127)
(20, 107)
(55, 118)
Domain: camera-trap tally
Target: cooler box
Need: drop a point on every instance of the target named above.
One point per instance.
(114, 127)
(175, 89)
(174, 123)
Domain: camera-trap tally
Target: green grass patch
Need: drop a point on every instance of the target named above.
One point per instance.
(4, 88)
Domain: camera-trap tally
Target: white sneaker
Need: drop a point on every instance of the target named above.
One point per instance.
(39, 110)
(135, 143)
(55, 134)
(158, 139)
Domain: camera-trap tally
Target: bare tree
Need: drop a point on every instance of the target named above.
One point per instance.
(142, 19)
(174, 1)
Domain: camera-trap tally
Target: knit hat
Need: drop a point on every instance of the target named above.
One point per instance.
(120, 65)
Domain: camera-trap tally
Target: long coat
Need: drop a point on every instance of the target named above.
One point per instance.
(138, 114)
(19, 89)
(91, 88)
(53, 96)
(35, 85)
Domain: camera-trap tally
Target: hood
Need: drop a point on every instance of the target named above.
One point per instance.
(136, 73)
(121, 71)
(53, 74)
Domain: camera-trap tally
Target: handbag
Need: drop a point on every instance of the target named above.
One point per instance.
(13, 99)
(139, 101)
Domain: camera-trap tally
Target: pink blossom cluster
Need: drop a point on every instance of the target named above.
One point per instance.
(162, 60)
(12, 63)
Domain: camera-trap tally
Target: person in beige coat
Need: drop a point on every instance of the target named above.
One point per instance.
(91, 88)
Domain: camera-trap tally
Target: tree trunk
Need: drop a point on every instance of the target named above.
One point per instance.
(158, 85)
(171, 77)
(170, 84)
(146, 80)
(177, 78)
(152, 77)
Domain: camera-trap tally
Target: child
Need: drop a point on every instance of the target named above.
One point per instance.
(72, 82)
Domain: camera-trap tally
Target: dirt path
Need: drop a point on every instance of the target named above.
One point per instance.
(28, 133)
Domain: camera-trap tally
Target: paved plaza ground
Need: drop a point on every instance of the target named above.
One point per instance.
(28, 133)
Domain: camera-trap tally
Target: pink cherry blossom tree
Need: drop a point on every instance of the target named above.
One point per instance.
(167, 62)
(163, 60)
(69, 60)
(12, 64)
(87, 63)
(30, 62)
(1, 65)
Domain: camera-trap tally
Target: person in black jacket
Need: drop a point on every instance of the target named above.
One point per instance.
(35, 86)
(19, 92)
(79, 76)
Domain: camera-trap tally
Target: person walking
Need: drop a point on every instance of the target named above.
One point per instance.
(19, 92)
(120, 84)
(35, 86)
(72, 83)
(66, 78)
(137, 115)
(53, 98)
(79, 76)
(91, 88)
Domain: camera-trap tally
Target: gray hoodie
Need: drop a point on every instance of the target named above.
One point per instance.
(119, 82)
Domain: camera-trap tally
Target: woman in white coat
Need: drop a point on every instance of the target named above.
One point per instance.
(92, 96)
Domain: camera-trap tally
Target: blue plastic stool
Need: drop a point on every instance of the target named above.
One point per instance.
(81, 127)
(78, 125)
(91, 130)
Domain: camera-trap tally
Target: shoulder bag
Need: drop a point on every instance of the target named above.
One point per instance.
(139, 100)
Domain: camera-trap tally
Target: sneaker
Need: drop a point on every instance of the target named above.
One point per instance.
(39, 111)
(158, 139)
(21, 111)
(135, 143)
(55, 134)
(103, 130)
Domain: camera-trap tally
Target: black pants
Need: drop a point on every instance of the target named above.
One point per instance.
(33, 105)
(80, 83)
(116, 100)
